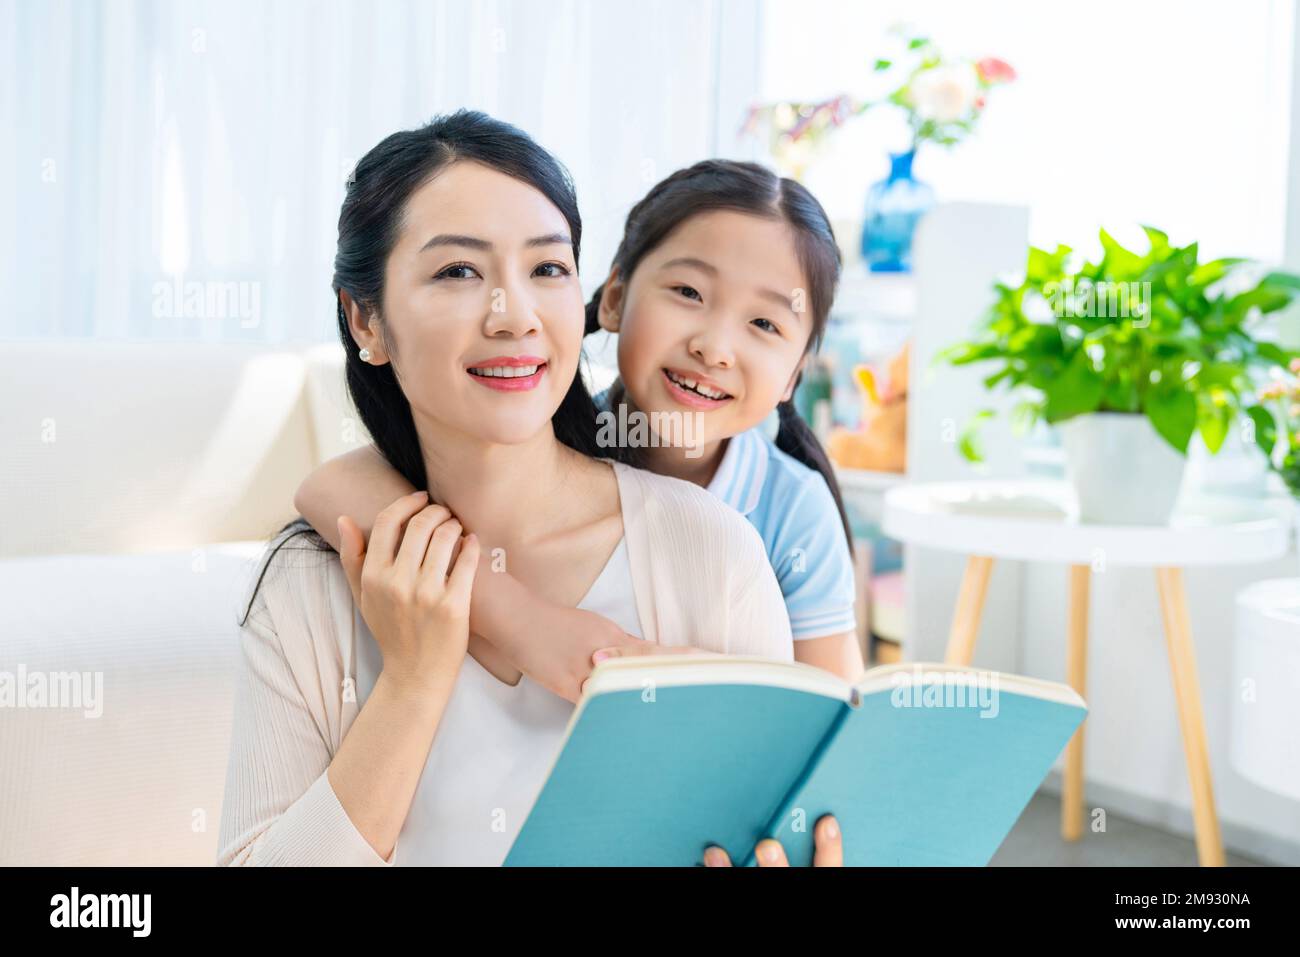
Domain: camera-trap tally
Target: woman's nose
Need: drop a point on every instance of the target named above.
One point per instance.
(511, 312)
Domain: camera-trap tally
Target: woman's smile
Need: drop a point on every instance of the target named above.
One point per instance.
(508, 373)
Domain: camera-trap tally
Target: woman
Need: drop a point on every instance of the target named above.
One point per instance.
(379, 733)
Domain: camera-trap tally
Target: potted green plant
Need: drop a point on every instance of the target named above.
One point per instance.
(1131, 355)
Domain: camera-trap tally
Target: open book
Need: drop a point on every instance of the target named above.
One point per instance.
(921, 764)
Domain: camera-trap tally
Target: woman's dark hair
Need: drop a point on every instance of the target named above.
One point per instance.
(369, 225)
(746, 188)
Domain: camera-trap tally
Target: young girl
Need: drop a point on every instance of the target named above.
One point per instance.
(368, 731)
(719, 290)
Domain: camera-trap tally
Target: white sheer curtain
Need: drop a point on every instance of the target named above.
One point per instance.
(156, 148)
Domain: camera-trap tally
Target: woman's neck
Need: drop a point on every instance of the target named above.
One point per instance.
(506, 494)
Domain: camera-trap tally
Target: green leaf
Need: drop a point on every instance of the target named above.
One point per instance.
(1077, 390)
(1172, 410)
(1289, 280)
(1158, 238)
(882, 65)
(1119, 261)
(1265, 428)
(1272, 352)
(1265, 298)
(969, 444)
(1214, 419)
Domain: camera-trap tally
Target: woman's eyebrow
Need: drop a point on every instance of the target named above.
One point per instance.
(473, 242)
(452, 239)
(550, 239)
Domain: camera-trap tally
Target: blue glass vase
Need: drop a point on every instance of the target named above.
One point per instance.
(894, 206)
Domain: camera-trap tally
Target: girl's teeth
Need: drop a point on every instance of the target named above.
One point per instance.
(506, 372)
(696, 387)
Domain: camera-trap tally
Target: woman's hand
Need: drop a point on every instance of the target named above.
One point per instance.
(418, 613)
(828, 841)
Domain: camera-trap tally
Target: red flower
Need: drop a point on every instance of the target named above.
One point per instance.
(993, 70)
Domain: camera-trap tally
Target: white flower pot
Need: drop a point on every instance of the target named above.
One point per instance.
(1123, 472)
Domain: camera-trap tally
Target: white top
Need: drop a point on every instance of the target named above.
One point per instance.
(700, 576)
(1035, 521)
(494, 747)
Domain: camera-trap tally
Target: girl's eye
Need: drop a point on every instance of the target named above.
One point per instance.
(551, 270)
(689, 292)
(768, 325)
(457, 271)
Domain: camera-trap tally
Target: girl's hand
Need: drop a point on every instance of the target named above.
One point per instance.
(769, 853)
(558, 651)
(637, 648)
(418, 613)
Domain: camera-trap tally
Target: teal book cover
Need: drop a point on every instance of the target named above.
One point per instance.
(922, 764)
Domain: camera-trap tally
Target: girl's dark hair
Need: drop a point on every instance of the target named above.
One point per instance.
(746, 188)
(369, 225)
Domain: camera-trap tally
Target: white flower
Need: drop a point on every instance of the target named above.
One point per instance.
(946, 93)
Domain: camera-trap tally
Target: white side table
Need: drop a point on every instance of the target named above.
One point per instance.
(1033, 521)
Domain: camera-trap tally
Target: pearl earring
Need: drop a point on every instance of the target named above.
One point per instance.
(364, 355)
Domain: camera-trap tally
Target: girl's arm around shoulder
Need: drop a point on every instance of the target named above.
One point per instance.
(359, 484)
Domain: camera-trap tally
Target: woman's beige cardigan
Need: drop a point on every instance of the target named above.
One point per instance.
(701, 577)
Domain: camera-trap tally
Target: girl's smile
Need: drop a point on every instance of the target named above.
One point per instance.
(694, 390)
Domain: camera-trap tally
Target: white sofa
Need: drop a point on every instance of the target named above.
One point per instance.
(139, 484)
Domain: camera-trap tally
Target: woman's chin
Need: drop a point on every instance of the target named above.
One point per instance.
(510, 430)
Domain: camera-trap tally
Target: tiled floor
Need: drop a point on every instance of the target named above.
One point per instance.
(1036, 841)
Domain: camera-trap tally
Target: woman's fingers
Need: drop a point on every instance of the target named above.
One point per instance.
(437, 559)
(770, 853)
(416, 538)
(386, 536)
(352, 553)
(461, 580)
(716, 857)
(828, 843)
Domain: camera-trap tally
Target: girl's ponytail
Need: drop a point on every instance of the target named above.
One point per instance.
(797, 440)
(593, 311)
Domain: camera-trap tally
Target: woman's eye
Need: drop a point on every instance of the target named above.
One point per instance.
(689, 292)
(551, 270)
(768, 325)
(457, 271)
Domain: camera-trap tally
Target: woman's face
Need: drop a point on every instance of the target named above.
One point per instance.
(482, 307)
(714, 320)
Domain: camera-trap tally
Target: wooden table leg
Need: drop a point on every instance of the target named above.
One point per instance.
(1076, 674)
(1187, 692)
(970, 605)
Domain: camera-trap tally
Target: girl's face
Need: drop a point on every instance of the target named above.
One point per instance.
(482, 307)
(713, 320)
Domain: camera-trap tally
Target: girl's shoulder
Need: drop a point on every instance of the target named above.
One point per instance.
(758, 479)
